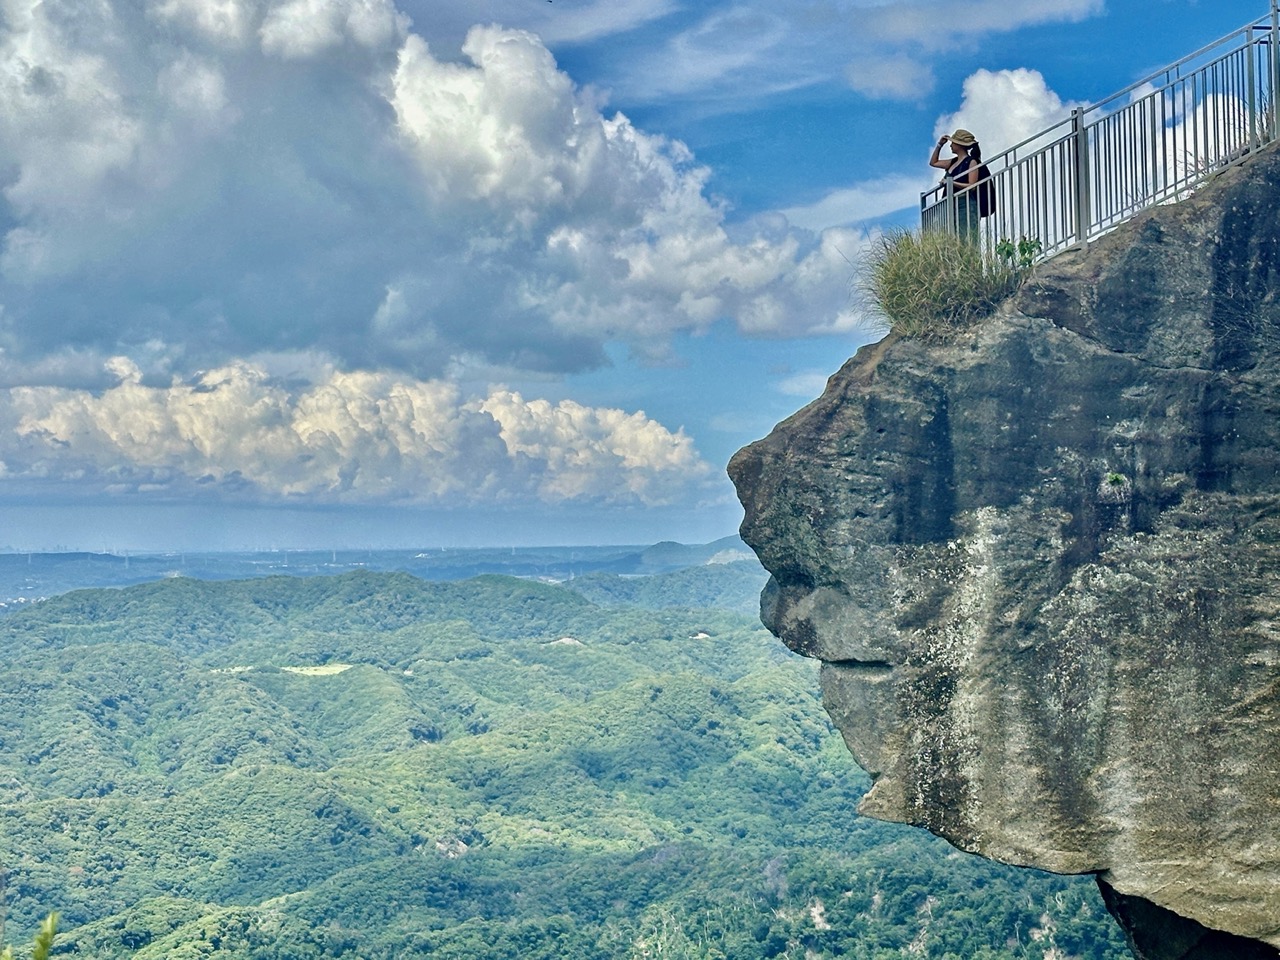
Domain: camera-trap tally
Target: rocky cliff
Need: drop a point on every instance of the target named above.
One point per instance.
(1041, 566)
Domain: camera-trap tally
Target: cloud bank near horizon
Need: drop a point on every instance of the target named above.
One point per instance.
(352, 438)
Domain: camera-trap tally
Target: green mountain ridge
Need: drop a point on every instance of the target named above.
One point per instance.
(370, 765)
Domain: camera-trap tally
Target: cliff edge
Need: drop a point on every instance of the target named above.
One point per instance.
(1041, 566)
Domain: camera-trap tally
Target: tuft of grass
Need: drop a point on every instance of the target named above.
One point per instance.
(933, 284)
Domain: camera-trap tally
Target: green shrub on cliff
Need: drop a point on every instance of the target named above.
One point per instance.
(933, 284)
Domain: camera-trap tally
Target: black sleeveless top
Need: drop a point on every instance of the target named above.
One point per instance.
(961, 169)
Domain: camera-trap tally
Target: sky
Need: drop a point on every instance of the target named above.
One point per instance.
(375, 273)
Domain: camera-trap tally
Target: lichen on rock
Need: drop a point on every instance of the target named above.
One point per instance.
(1041, 566)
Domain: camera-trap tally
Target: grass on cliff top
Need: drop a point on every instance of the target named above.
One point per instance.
(931, 285)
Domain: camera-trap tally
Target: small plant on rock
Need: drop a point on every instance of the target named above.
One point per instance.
(1115, 488)
(1021, 254)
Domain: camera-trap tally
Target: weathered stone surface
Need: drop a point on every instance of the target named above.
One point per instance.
(1041, 565)
(1154, 933)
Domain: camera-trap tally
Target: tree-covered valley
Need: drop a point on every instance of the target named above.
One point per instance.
(373, 765)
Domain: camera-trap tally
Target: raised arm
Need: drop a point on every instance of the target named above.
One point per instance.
(935, 160)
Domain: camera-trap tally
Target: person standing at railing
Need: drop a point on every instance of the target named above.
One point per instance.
(963, 169)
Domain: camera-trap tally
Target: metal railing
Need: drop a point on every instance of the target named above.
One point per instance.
(1150, 143)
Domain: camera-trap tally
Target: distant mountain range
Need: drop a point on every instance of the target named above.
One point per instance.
(25, 577)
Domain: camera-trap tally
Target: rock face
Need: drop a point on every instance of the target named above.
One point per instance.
(1041, 565)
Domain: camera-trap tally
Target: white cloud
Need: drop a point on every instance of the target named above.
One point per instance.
(197, 88)
(446, 25)
(288, 28)
(1004, 107)
(808, 384)
(304, 176)
(304, 28)
(508, 130)
(725, 43)
(356, 437)
(625, 240)
(896, 76)
(577, 451)
(861, 202)
(590, 21)
(67, 109)
(740, 51)
(222, 21)
(932, 24)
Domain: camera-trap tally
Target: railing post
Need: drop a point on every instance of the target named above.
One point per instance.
(1274, 62)
(949, 204)
(1251, 82)
(1080, 156)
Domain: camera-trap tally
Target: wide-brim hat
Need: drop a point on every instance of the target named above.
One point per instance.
(963, 138)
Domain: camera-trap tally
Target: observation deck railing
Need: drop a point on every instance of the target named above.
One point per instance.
(1150, 143)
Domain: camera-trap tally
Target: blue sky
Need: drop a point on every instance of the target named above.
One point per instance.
(416, 272)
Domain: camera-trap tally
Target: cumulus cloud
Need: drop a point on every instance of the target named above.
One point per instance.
(223, 21)
(1005, 107)
(617, 234)
(304, 28)
(350, 438)
(288, 28)
(244, 176)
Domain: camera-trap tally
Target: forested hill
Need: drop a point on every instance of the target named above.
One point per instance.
(376, 766)
(355, 615)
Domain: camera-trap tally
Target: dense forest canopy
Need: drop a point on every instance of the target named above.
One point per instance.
(373, 765)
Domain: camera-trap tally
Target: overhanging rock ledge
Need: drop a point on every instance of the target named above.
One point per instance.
(1041, 565)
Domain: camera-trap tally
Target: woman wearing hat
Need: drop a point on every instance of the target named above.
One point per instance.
(963, 168)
